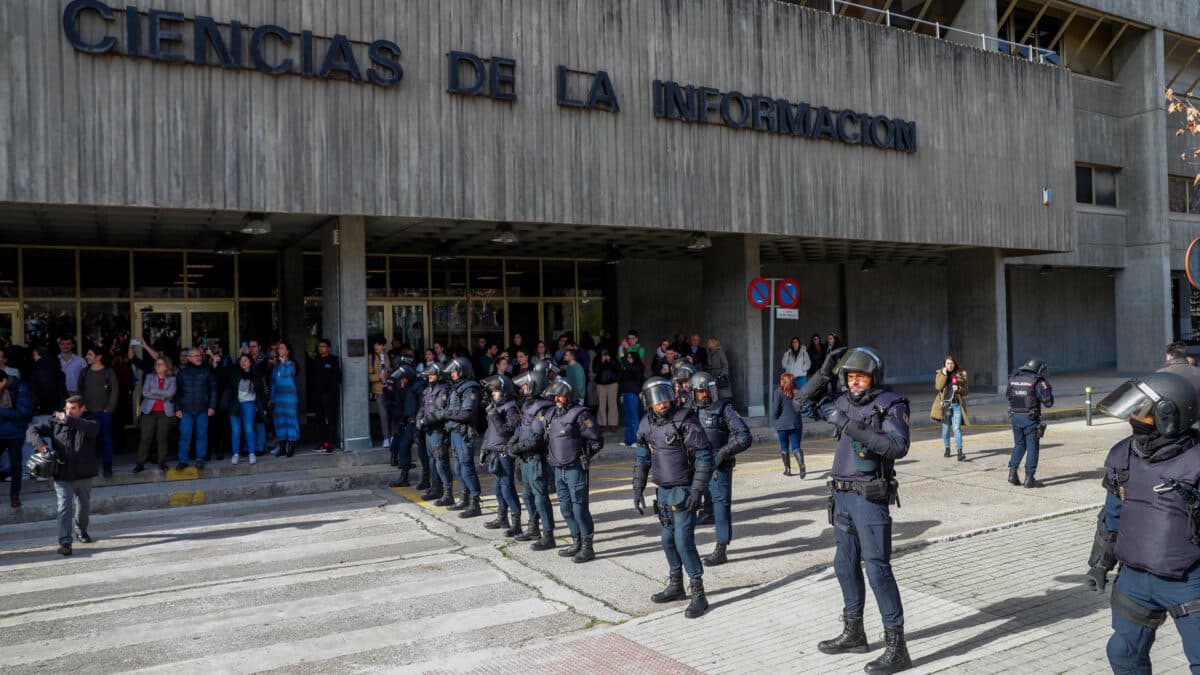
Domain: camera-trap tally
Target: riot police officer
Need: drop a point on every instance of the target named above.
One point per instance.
(1150, 522)
(403, 406)
(673, 446)
(573, 438)
(529, 445)
(503, 418)
(872, 433)
(728, 435)
(1028, 390)
(459, 416)
(433, 400)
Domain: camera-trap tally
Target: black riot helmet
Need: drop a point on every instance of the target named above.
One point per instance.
(682, 371)
(460, 365)
(657, 390)
(431, 370)
(1036, 366)
(1166, 401)
(702, 382)
(860, 360)
(534, 379)
(500, 383)
(559, 387)
(405, 372)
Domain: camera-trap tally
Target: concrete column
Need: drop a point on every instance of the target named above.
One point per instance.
(291, 310)
(344, 313)
(976, 16)
(1143, 286)
(728, 268)
(976, 295)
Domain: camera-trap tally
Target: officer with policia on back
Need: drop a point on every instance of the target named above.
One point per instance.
(872, 433)
(1028, 390)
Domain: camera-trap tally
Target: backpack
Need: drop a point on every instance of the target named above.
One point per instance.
(107, 380)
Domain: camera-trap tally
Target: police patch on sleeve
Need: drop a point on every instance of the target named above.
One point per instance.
(588, 423)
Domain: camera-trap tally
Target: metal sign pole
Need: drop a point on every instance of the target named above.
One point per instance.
(770, 353)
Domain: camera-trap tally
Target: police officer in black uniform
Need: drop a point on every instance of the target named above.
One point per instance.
(1028, 390)
(673, 446)
(460, 416)
(403, 406)
(872, 429)
(728, 435)
(681, 374)
(503, 419)
(573, 438)
(1150, 522)
(434, 399)
(529, 445)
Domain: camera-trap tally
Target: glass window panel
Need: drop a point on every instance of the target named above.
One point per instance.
(1105, 185)
(258, 321)
(312, 276)
(103, 324)
(258, 275)
(1177, 195)
(593, 279)
(558, 278)
(8, 329)
(450, 277)
(486, 277)
(104, 274)
(49, 273)
(45, 322)
(312, 325)
(408, 324)
(487, 322)
(1083, 185)
(409, 276)
(376, 326)
(591, 319)
(559, 318)
(450, 322)
(210, 275)
(1193, 197)
(8, 272)
(377, 287)
(163, 331)
(157, 274)
(522, 278)
(211, 329)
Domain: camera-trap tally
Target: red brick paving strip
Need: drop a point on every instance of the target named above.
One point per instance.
(608, 654)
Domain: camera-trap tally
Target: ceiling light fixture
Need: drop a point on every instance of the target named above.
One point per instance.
(505, 235)
(256, 224)
(614, 257)
(227, 245)
(442, 252)
(699, 241)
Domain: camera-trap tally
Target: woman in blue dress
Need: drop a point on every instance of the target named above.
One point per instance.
(285, 399)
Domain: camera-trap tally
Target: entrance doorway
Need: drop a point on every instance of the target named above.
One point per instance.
(170, 327)
(403, 320)
(10, 324)
(525, 318)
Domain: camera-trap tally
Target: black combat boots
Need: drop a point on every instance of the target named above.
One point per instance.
(472, 510)
(402, 481)
(447, 497)
(585, 553)
(1029, 481)
(530, 532)
(464, 501)
(501, 521)
(424, 484)
(852, 639)
(571, 550)
(961, 456)
(947, 452)
(432, 491)
(895, 658)
(395, 458)
(545, 543)
(699, 604)
(787, 464)
(515, 528)
(674, 590)
(1012, 476)
(717, 557)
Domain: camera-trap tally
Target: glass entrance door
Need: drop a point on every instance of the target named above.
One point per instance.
(168, 328)
(408, 324)
(10, 324)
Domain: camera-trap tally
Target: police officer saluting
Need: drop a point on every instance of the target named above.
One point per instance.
(529, 445)
(674, 448)
(872, 428)
(1027, 392)
(403, 405)
(573, 439)
(1150, 522)
(433, 400)
(459, 415)
(728, 435)
(503, 419)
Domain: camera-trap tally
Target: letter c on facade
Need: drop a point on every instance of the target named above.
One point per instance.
(71, 26)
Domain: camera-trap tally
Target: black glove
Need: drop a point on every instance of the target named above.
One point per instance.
(720, 458)
(640, 475)
(641, 441)
(831, 361)
(1096, 578)
(836, 417)
(695, 496)
(483, 459)
(639, 501)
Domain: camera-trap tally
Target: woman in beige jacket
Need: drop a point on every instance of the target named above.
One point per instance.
(950, 406)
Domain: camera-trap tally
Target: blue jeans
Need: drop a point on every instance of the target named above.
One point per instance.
(790, 439)
(721, 491)
(74, 499)
(12, 450)
(572, 481)
(424, 458)
(679, 540)
(198, 421)
(1025, 439)
(1129, 646)
(954, 424)
(466, 464)
(242, 427)
(535, 481)
(105, 438)
(440, 465)
(629, 407)
(401, 444)
(505, 486)
(863, 531)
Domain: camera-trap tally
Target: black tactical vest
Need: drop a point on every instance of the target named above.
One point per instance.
(1022, 393)
(566, 442)
(493, 438)
(533, 413)
(712, 419)
(848, 464)
(464, 397)
(435, 397)
(672, 444)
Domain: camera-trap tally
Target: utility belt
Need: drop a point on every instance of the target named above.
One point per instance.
(1150, 618)
(882, 490)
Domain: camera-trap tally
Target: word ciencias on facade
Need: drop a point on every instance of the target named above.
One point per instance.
(91, 26)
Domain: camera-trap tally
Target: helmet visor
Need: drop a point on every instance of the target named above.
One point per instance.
(1131, 400)
(857, 360)
(659, 392)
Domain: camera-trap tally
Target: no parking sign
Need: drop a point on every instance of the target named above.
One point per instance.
(759, 293)
(787, 293)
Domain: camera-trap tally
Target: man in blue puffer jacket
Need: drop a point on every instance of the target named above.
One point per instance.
(16, 412)
(195, 403)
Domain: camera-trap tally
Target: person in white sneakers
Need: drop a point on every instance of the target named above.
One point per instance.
(250, 388)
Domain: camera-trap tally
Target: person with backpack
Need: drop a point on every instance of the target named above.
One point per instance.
(100, 393)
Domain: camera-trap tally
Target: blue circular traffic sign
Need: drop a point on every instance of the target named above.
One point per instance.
(787, 293)
(759, 293)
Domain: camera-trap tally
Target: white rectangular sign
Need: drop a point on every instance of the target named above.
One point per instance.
(785, 313)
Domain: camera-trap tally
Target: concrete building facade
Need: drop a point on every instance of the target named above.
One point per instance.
(996, 179)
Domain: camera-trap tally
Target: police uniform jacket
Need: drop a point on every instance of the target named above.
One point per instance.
(435, 398)
(462, 408)
(571, 431)
(727, 432)
(503, 419)
(876, 436)
(674, 447)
